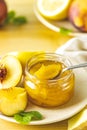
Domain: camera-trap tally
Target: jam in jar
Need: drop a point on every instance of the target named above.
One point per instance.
(45, 83)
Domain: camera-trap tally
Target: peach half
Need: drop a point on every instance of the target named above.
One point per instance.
(78, 14)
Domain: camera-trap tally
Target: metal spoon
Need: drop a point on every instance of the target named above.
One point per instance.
(71, 67)
(75, 66)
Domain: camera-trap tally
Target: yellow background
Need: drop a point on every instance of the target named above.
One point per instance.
(32, 36)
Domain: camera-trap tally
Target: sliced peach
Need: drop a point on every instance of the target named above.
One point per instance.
(12, 100)
(10, 72)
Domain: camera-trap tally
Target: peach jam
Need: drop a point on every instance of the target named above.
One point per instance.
(45, 88)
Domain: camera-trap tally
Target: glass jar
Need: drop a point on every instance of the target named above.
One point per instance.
(48, 92)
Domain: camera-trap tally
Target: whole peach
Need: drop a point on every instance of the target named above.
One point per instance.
(3, 11)
(78, 14)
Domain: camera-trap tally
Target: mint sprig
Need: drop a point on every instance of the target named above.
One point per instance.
(15, 20)
(10, 17)
(26, 117)
(19, 20)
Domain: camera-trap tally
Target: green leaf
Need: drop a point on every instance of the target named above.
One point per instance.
(19, 20)
(26, 117)
(13, 19)
(22, 119)
(10, 17)
(35, 115)
(65, 31)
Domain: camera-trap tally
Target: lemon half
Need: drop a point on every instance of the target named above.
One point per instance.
(54, 9)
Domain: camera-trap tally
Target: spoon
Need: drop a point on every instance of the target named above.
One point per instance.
(75, 66)
(71, 67)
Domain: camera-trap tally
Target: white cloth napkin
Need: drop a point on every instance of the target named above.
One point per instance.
(76, 49)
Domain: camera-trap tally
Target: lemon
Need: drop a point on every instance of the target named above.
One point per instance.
(54, 9)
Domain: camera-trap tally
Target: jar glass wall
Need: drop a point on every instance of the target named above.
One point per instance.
(48, 92)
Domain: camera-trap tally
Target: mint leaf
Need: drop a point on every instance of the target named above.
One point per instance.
(22, 119)
(65, 31)
(26, 117)
(35, 115)
(19, 20)
(10, 17)
(13, 19)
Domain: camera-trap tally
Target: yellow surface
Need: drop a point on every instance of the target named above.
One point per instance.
(30, 37)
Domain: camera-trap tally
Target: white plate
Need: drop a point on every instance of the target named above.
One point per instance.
(57, 25)
(77, 103)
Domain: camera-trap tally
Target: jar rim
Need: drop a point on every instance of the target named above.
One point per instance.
(46, 54)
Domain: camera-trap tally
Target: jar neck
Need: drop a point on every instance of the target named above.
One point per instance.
(48, 56)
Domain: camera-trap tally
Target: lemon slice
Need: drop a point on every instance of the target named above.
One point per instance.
(54, 9)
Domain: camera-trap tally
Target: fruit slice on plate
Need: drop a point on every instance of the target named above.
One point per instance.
(24, 56)
(12, 100)
(10, 72)
(54, 9)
